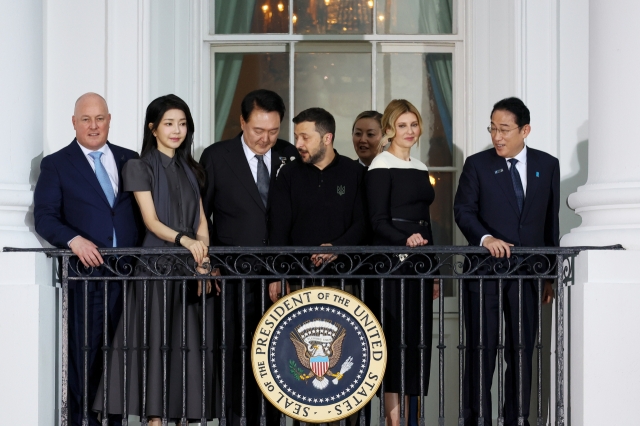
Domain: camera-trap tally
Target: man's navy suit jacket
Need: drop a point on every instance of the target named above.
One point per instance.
(69, 201)
(485, 201)
(231, 198)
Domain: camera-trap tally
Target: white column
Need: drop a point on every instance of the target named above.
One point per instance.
(28, 332)
(22, 94)
(609, 203)
(605, 374)
(53, 51)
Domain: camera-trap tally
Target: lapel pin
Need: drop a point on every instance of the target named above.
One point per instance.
(537, 174)
(498, 171)
(283, 161)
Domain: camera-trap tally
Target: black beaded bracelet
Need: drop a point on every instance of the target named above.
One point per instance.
(178, 237)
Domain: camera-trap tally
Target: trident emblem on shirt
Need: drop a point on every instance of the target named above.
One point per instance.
(341, 190)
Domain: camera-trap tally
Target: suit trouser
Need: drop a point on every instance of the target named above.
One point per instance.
(95, 323)
(233, 332)
(472, 312)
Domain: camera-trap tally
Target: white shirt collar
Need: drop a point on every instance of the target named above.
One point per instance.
(521, 157)
(251, 155)
(105, 149)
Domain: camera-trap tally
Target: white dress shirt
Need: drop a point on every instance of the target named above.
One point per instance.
(521, 166)
(253, 161)
(107, 160)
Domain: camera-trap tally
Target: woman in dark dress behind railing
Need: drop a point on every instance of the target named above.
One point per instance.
(166, 183)
(399, 194)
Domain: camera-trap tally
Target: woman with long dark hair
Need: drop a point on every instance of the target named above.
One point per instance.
(166, 183)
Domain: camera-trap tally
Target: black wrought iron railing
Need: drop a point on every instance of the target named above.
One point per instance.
(361, 268)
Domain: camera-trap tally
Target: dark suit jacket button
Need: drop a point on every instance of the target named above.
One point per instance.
(264, 241)
(110, 238)
(113, 213)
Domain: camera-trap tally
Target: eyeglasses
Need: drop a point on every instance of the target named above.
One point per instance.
(503, 132)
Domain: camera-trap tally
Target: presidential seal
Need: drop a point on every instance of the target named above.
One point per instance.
(319, 354)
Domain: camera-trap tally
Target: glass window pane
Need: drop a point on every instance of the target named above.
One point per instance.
(425, 80)
(441, 211)
(337, 82)
(237, 74)
(332, 16)
(414, 16)
(442, 225)
(249, 16)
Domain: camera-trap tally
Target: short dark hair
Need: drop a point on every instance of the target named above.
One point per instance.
(323, 120)
(367, 114)
(516, 107)
(262, 99)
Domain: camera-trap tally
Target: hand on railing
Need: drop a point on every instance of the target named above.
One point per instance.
(319, 259)
(86, 251)
(203, 269)
(498, 248)
(197, 248)
(274, 290)
(416, 240)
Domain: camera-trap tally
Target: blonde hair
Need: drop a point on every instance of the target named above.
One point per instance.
(395, 109)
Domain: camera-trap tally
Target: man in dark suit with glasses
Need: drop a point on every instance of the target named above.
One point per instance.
(507, 196)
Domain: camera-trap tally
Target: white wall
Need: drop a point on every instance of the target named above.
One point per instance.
(28, 332)
(573, 106)
(538, 51)
(604, 370)
(100, 47)
(21, 92)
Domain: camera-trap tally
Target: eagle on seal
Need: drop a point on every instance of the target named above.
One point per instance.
(318, 345)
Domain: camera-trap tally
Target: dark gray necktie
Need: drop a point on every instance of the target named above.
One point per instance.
(263, 179)
(517, 183)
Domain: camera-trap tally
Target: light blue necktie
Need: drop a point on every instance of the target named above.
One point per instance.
(105, 182)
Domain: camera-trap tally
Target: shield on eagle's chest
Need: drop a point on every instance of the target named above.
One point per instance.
(319, 365)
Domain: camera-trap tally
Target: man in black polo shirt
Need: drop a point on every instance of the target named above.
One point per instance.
(318, 201)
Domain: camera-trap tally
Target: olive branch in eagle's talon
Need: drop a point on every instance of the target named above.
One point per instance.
(298, 373)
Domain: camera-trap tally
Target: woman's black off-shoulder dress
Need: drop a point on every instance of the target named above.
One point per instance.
(399, 194)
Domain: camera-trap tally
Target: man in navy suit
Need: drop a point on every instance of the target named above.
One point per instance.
(507, 196)
(240, 175)
(79, 204)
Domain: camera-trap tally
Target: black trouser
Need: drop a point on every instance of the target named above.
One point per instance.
(491, 320)
(95, 319)
(233, 314)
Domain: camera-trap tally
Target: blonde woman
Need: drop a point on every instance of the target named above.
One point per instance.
(399, 194)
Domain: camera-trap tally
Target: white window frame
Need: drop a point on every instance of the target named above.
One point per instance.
(456, 44)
